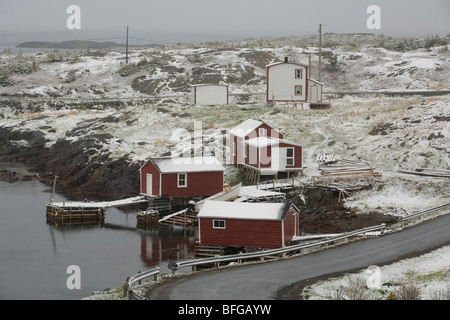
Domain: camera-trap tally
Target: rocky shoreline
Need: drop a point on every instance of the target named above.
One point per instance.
(78, 171)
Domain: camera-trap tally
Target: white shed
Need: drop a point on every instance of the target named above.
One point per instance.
(209, 94)
(314, 90)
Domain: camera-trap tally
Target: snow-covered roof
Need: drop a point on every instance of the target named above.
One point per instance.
(290, 62)
(313, 80)
(188, 164)
(268, 141)
(246, 127)
(244, 210)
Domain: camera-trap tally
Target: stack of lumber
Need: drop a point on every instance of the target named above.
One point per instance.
(345, 187)
(344, 167)
(440, 173)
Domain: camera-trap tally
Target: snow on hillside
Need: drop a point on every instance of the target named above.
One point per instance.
(170, 71)
(71, 96)
(390, 133)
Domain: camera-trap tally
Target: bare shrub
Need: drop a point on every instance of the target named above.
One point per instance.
(408, 291)
(356, 287)
(440, 294)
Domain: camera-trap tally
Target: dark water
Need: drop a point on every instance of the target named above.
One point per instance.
(34, 255)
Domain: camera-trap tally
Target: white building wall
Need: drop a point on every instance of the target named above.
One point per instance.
(209, 94)
(314, 91)
(282, 81)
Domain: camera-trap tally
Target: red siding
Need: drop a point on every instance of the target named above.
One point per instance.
(239, 157)
(297, 154)
(198, 184)
(265, 157)
(251, 233)
(240, 232)
(291, 225)
(149, 168)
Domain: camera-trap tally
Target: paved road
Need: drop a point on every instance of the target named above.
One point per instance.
(263, 281)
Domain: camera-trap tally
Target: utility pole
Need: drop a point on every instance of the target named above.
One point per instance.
(320, 49)
(52, 195)
(126, 55)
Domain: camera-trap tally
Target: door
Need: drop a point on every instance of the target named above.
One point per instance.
(314, 93)
(149, 184)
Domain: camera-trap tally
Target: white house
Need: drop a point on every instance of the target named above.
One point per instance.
(290, 82)
(209, 94)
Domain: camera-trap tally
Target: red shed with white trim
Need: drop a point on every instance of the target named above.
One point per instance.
(260, 147)
(270, 155)
(182, 177)
(268, 225)
(249, 129)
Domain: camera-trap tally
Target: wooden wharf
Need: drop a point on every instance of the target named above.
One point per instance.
(85, 212)
(74, 215)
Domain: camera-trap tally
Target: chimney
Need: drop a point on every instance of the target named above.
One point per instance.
(286, 59)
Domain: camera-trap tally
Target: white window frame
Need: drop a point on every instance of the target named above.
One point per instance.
(185, 180)
(245, 152)
(290, 158)
(262, 132)
(219, 224)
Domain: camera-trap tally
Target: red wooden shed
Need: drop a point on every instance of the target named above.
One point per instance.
(182, 177)
(268, 225)
(249, 129)
(268, 156)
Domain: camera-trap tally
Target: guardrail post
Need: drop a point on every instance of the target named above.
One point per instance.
(139, 281)
(217, 264)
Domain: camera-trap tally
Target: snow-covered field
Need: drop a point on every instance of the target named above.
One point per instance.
(390, 133)
(429, 273)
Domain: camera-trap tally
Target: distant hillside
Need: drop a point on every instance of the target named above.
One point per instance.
(75, 44)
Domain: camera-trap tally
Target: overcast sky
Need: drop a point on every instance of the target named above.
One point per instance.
(172, 21)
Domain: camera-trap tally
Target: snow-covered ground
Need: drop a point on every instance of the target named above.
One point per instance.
(390, 133)
(430, 273)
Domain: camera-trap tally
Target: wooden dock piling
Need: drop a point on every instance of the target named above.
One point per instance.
(147, 219)
(74, 215)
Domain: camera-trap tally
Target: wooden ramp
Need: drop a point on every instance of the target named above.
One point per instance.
(181, 218)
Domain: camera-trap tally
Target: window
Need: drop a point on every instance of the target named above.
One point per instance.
(234, 148)
(245, 150)
(298, 73)
(262, 132)
(219, 224)
(298, 90)
(182, 180)
(290, 156)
